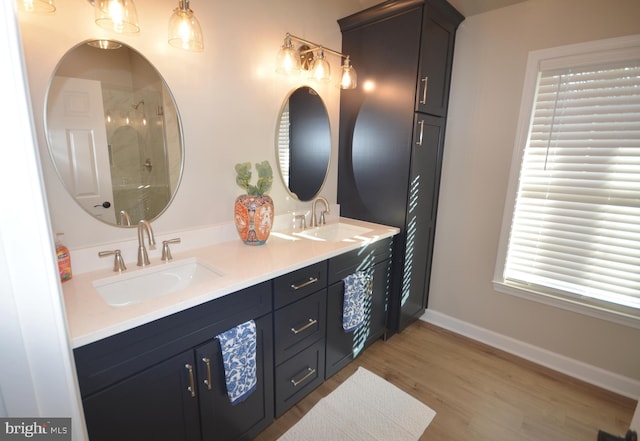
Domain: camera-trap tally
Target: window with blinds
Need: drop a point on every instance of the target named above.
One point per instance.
(575, 227)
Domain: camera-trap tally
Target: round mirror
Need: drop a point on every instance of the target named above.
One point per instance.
(114, 133)
(303, 143)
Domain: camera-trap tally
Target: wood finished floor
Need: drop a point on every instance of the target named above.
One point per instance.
(478, 392)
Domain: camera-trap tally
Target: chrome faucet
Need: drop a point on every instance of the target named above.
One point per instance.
(125, 219)
(314, 218)
(143, 257)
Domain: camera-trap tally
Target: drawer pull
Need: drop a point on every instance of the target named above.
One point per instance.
(309, 324)
(425, 80)
(309, 373)
(207, 380)
(419, 141)
(191, 387)
(311, 281)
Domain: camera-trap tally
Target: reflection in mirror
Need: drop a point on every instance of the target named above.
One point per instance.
(114, 134)
(303, 143)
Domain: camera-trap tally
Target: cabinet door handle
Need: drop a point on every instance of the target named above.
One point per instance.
(309, 373)
(425, 80)
(192, 386)
(311, 281)
(419, 141)
(207, 381)
(307, 325)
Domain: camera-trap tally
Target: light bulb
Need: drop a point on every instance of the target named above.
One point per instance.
(117, 15)
(184, 29)
(287, 61)
(321, 70)
(349, 78)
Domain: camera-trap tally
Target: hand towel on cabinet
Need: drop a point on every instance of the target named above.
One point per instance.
(238, 347)
(357, 290)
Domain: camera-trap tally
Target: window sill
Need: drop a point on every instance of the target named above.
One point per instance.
(591, 307)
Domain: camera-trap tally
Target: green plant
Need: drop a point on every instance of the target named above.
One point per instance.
(265, 178)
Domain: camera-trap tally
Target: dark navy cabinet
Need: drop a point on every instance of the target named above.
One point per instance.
(392, 134)
(165, 380)
(300, 315)
(343, 347)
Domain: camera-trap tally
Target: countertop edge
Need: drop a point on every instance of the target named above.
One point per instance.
(90, 319)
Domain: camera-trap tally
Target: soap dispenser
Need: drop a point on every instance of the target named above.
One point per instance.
(64, 259)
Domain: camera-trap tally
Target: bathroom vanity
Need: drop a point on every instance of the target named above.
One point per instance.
(153, 369)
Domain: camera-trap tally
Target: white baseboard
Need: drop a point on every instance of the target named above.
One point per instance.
(619, 384)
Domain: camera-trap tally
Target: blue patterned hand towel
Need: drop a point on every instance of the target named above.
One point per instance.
(357, 287)
(238, 347)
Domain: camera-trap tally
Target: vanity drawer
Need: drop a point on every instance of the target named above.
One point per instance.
(299, 325)
(298, 284)
(298, 376)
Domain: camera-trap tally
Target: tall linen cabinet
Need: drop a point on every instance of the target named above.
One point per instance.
(392, 134)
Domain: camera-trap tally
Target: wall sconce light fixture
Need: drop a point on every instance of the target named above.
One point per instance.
(184, 29)
(310, 57)
(38, 6)
(116, 15)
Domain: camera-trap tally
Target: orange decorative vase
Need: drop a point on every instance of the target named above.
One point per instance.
(254, 218)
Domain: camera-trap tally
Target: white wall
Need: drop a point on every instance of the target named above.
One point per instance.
(229, 97)
(488, 74)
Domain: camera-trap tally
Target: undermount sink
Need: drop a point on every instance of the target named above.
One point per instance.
(130, 288)
(339, 232)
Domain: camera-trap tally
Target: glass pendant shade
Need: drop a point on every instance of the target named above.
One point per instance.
(288, 60)
(117, 15)
(321, 69)
(104, 44)
(349, 78)
(39, 6)
(184, 29)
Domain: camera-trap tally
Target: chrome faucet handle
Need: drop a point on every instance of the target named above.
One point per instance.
(166, 251)
(303, 220)
(118, 261)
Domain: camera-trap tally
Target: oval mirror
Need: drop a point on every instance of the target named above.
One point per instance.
(114, 133)
(303, 143)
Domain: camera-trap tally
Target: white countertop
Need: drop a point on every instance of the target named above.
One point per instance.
(90, 318)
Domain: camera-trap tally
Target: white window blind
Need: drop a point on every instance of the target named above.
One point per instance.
(576, 224)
